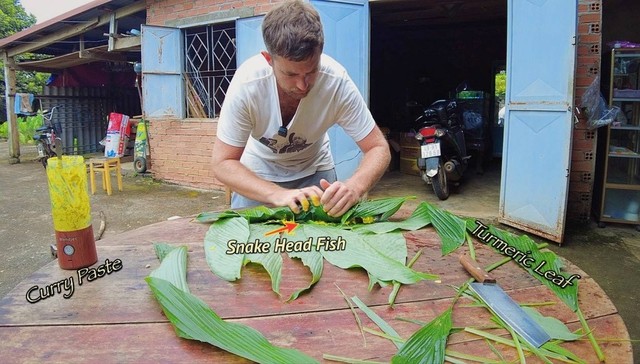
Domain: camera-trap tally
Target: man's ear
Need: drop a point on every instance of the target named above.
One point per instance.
(267, 57)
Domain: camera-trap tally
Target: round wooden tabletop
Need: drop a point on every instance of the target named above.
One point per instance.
(102, 316)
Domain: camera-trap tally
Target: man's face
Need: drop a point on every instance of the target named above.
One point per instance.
(295, 79)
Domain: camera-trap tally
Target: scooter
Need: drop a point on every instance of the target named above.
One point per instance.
(47, 137)
(443, 155)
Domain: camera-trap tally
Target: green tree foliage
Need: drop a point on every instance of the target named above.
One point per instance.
(14, 18)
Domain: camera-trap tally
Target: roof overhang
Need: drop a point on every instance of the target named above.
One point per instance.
(97, 31)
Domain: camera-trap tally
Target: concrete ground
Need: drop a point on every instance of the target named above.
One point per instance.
(610, 255)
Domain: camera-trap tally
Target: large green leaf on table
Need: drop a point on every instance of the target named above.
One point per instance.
(252, 214)
(450, 228)
(174, 268)
(312, 259)
(193, 319)
(418, 219)
(271, 261)
(427, 345)
(392, 245)
(380, 209)
(554, 327)
(220, 233)
(545, 261)
(359, 252)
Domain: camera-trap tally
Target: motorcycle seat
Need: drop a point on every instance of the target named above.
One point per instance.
(39, 137)
(42, 129)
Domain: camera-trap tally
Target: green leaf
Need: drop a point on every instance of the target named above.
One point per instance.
(381, 209)
(450, 228)
(173, 267)
(312, 259)
(554, 327)
(193, 319)
(252, 214)
(221, 232)
(418, 219)
(359, 252)
(162, 249)
(542, 261)
(427, 345)
(208, 217)
(271, 261)
(382, 324)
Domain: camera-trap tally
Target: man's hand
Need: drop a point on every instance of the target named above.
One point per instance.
(298, 199)
(337, 198)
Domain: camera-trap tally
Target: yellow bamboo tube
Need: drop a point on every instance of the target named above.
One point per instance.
(71, 212)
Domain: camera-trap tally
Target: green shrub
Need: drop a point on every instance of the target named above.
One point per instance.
(26, 127)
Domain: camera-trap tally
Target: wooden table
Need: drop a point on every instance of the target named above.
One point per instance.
(115, 318)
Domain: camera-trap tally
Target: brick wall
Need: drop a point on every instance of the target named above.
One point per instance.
(583, 154)
(165, 12)
(181, 152)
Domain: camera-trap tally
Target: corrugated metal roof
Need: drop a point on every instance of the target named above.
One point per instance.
(80, 17)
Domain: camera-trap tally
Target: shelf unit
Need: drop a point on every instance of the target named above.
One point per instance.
(620, 185)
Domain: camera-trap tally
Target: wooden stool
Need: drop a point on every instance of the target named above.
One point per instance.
(104, 165)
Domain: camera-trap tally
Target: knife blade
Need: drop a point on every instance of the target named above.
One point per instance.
(502, 305)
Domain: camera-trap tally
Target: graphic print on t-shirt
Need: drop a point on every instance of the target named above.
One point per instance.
(292, 143)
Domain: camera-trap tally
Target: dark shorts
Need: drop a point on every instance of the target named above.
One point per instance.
(238, 201)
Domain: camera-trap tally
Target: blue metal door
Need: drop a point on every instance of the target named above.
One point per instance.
(162, 84)
(538, 118)
(346, 33)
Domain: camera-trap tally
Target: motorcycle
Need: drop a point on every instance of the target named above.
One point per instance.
(443, 155)
(47, 137)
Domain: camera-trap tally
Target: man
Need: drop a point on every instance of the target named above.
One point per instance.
(272, 147)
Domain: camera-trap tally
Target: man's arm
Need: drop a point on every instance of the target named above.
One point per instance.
(338, 197)
(228, 170)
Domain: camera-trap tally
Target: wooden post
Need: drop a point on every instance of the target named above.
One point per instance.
(12, 119)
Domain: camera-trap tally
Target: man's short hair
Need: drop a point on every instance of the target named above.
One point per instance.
(293, 30)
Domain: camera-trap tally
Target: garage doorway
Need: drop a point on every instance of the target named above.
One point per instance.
(422, 51)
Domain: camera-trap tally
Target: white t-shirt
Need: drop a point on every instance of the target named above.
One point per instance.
(250, 118)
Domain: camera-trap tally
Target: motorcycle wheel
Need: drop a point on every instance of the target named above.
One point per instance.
(439, 183)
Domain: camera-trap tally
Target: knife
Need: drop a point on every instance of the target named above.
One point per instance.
(502, 305)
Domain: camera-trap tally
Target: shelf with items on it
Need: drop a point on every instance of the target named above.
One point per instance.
(619, 148)
(622, 152)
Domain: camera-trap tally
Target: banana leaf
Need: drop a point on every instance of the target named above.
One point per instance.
(427, 345)
(450, 228)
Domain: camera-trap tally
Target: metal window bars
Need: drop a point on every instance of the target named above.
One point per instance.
(210, 65)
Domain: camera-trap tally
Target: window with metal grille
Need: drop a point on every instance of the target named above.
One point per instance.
(210, 65)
